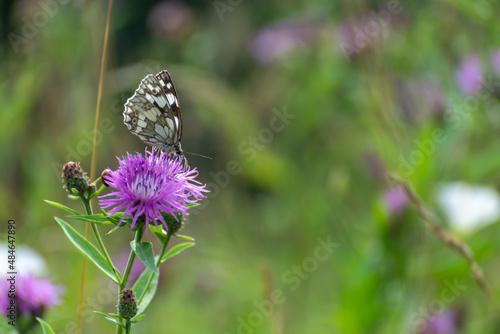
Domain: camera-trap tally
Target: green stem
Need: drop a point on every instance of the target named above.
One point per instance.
(163, 249)
(128, 327)
(97, 236)
(138, 237)
(158, 262)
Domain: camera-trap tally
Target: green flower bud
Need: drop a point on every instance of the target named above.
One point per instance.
(75, 178)
(127, 305)
(175, 226)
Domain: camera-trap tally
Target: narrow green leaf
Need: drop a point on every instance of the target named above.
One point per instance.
(87, 249)
(110, 318)
(96, 219)
(115, 219)
(116, 228)
(176, 250)
(185, 237)
(144, 251)
(45, 327)
(60, 206)
(143, 295)
(139, 318)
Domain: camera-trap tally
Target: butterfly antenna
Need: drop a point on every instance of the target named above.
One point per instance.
(199, 155)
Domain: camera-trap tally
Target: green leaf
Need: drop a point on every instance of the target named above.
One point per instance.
(96, 219)
(116, 228)
(176, 250)
(45, 327)
(144, 251)
(115, 219)
(60, 206)
(160, 233)
(139, 318)
(144, 294)
(110, 318)
(89, 250)
(185, 237)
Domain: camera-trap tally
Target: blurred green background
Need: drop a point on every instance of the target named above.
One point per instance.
(365, 85)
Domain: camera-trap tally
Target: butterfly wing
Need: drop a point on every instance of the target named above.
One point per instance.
(174, 111)
(153, 112)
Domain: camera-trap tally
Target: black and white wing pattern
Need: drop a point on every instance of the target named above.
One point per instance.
(153, 113)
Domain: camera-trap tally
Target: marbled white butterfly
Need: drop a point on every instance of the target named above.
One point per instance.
(153, 113)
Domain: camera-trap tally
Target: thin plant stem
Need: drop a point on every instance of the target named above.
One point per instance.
(158, 261)
(138, 237)
(128, 327)
(94, 150)
(449, 240)
(97, 236)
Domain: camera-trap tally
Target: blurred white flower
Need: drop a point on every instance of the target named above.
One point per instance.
(469, 207)
(27, 260)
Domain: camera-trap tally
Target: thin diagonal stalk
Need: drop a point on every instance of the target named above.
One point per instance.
(458, 245)
(94, 151)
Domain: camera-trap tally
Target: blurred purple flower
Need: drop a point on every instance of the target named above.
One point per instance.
(280, 38)
(170, 18)
(470, 75)
(495, 61)
(443, 323)
(396, 200)
(376, 167)
(421, 98)
(149, 185)
(357, 34)
(33, 294)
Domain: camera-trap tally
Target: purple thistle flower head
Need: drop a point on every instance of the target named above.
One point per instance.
(151, 184)
(33, 294)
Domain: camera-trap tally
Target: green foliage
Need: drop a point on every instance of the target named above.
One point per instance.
(273, 193)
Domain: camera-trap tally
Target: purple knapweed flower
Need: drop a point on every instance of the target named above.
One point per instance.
(33, 294)
(170, 18)
(396, 200)
(470, 75)
(446, 322)
(149, 185)
(281, 38)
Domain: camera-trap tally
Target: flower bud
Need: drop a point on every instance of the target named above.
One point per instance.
(75, 178)
(106, 176)
(175, 226)
(127, 304)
